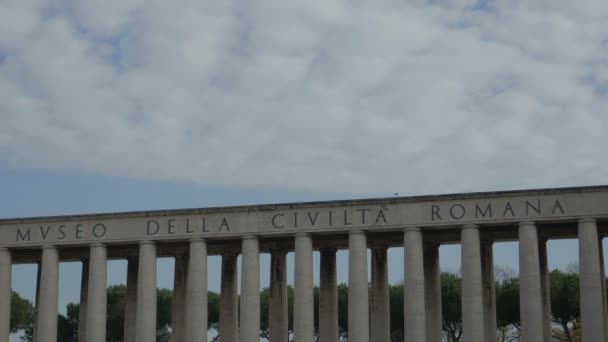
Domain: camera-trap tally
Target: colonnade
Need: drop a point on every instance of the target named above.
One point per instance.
(368, 318)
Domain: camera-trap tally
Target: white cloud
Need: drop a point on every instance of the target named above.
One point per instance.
(372, 97)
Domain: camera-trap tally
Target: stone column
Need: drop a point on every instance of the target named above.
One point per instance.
(328, 297)
(472, 293)
(278, 320)
(303, 306)
(250, 290)
(97, 294)
(46, 331)
(358, 295)
(546, 290)
(145, 322)
(432, 293)
(593, 312)
(84, 300)
(196, 292)
(380, 315)
(131, 300)
(489, 290)
(229, 300)
(179, 294)
(414, 314)
(6, 265)
(530, 294)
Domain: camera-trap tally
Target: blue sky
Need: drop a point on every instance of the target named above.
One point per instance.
(120, 105)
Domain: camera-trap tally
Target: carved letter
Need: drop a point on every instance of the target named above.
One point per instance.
(23, 237)
(79, 231)
(362, 211)
(171, 226)
(557, 205)
(380, 215)
(346, 223)
(462, 211)
(224, 224)
(435, 213)
(313, 220)
(205, 225)
(62, 232)
(529, 205)
(488, 211)
(330, 218)
(100, 226)
(274, 223)
(188, 231)
(508, 208)
(150, 224)
(295, 220)
(44, 233)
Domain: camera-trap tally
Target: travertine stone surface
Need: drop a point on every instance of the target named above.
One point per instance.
(414, 312)
(530, 286)
(593, 313)
(432, 293)
(49, 296)
(303, 302)
(250, 291)
(97, 294)
(477, 220)
(195, 320)
(328, 297)
(380, 315)
(358, 295)
(287, 219)
(472, 293)
(229, 309)
(145, 321)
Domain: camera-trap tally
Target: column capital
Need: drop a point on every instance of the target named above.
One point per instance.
(147, 242)
(97, 244)
(356, 232)
(302, 234)
(49, 247)
(4, 249)
(469, 226)
(527, 223)
(196, 239)
(587, 220)
(411, 229)
(250, 237)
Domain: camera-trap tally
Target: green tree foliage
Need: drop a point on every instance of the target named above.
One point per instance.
(117, 296)
(451, 304)
(396, 309)
(22, 313)
(507, 309)
(565, 306)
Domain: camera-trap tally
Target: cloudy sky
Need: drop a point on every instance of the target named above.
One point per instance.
(129, 104)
